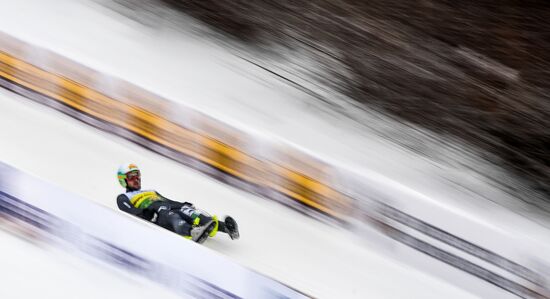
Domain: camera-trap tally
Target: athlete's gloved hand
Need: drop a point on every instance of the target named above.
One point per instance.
(158, 207)
(188, 205)
(161, 208)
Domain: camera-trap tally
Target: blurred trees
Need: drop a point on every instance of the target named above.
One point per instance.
(477, 70)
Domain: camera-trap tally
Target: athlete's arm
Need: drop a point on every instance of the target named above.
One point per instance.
(124, 204)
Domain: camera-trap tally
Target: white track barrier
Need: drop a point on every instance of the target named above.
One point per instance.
(79, 225)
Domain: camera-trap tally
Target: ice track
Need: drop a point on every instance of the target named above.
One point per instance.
(318, 259)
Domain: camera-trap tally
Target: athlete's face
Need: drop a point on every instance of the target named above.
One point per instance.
(133, 179)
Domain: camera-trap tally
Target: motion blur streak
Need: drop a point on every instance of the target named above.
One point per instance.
(287, 246)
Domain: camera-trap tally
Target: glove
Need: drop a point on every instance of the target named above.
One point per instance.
(161, 208)
(158, 206)
(188, 205)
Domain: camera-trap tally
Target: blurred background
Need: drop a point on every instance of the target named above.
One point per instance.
(409, 141)
(475, 72)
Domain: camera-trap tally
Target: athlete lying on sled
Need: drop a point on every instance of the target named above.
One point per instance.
(181, 218)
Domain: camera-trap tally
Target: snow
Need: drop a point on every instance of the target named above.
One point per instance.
(318, 259)
(179, 63)
(35, 270)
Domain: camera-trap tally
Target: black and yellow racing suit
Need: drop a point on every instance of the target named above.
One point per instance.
(178, 217)
(151, 206)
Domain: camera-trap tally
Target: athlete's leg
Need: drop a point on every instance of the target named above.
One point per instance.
(193, 216)
(174, 222)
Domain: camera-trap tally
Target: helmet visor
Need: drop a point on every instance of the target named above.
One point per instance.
(133, 175)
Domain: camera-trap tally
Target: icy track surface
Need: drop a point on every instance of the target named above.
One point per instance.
(322, 261)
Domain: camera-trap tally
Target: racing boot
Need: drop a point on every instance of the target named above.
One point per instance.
(203, 218)
(201, 232)
(198, 217)
(215, 230)
(231, 227)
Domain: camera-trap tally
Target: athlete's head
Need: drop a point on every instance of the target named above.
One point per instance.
(129, 176)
